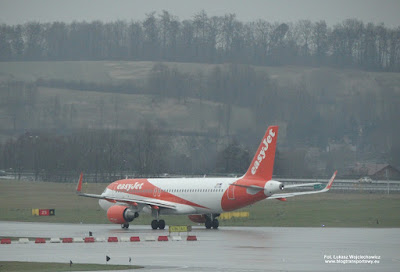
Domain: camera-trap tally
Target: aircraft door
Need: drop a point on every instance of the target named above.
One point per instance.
(157, 192)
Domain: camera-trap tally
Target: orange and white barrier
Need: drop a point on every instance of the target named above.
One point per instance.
(55, 240)
(89, 240)
(40, 241)
(124, 239)
(77, 240)
(23, 240)
(176, 238)
(191, 238)
(66, 240)
(112, 239)
(150, 238)
(162, 238)
(5, 241)
(135, 239)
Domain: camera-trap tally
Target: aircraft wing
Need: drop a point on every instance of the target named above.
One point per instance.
(133, 200)
(286, 195)
(301, 185)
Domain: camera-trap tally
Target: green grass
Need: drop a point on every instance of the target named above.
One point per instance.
(90, 71)
(337, 80)
(134, 108)
(329, 209)
(17, 198)
(44, 267)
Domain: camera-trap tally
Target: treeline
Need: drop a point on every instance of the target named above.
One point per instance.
(105, 155)
(216, 39)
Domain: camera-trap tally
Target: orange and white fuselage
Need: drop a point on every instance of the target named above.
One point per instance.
(189, 195)
(125, 199)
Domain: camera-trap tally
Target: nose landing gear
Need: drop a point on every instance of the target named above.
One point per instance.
(125, 226)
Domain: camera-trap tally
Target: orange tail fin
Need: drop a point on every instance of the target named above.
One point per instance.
(79, 186)
(262, 166)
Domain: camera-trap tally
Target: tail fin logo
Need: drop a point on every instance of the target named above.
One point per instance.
(261, 155)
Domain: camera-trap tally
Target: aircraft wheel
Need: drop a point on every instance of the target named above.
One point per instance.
(208, 224)
(154, 224)
(161, 224)
(125, 226)
(215, 224)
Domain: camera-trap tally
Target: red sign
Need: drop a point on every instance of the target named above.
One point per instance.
(44, 212)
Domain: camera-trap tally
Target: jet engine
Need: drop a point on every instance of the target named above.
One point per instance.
(272, 187)
(197, 218)
(121, 214)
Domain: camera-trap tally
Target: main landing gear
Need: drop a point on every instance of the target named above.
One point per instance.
(158, 224)
(125, 226)
(212, 222)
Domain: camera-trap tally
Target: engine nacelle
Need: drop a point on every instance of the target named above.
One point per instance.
(197, 218)
(272, 187)
(120, 214)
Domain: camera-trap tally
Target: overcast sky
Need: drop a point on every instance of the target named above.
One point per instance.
(332, 11)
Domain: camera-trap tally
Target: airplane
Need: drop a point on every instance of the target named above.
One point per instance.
(202, 199)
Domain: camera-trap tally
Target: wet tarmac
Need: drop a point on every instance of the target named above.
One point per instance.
(225, 249)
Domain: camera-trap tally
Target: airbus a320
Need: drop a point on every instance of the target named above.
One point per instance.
(202, 199)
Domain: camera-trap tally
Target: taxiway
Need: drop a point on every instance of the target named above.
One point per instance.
(225, 249)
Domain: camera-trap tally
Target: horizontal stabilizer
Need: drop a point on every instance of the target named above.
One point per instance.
(301, 185)
(248, 186)
(286, 195)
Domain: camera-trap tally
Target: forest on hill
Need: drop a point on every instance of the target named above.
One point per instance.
(186, 97)
(205, 39)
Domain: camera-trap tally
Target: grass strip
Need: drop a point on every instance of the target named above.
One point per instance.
(44, 267)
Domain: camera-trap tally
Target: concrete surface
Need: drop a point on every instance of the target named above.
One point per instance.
(225, 249)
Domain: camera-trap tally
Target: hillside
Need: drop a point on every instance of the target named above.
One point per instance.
(127, 111)
(342, 81)
(353, 113)
(330, 88)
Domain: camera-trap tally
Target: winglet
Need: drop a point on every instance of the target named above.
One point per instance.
(329, 185)
(79, 187)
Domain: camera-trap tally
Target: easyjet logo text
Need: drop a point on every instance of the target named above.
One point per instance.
(127, 187)
(262, 154)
